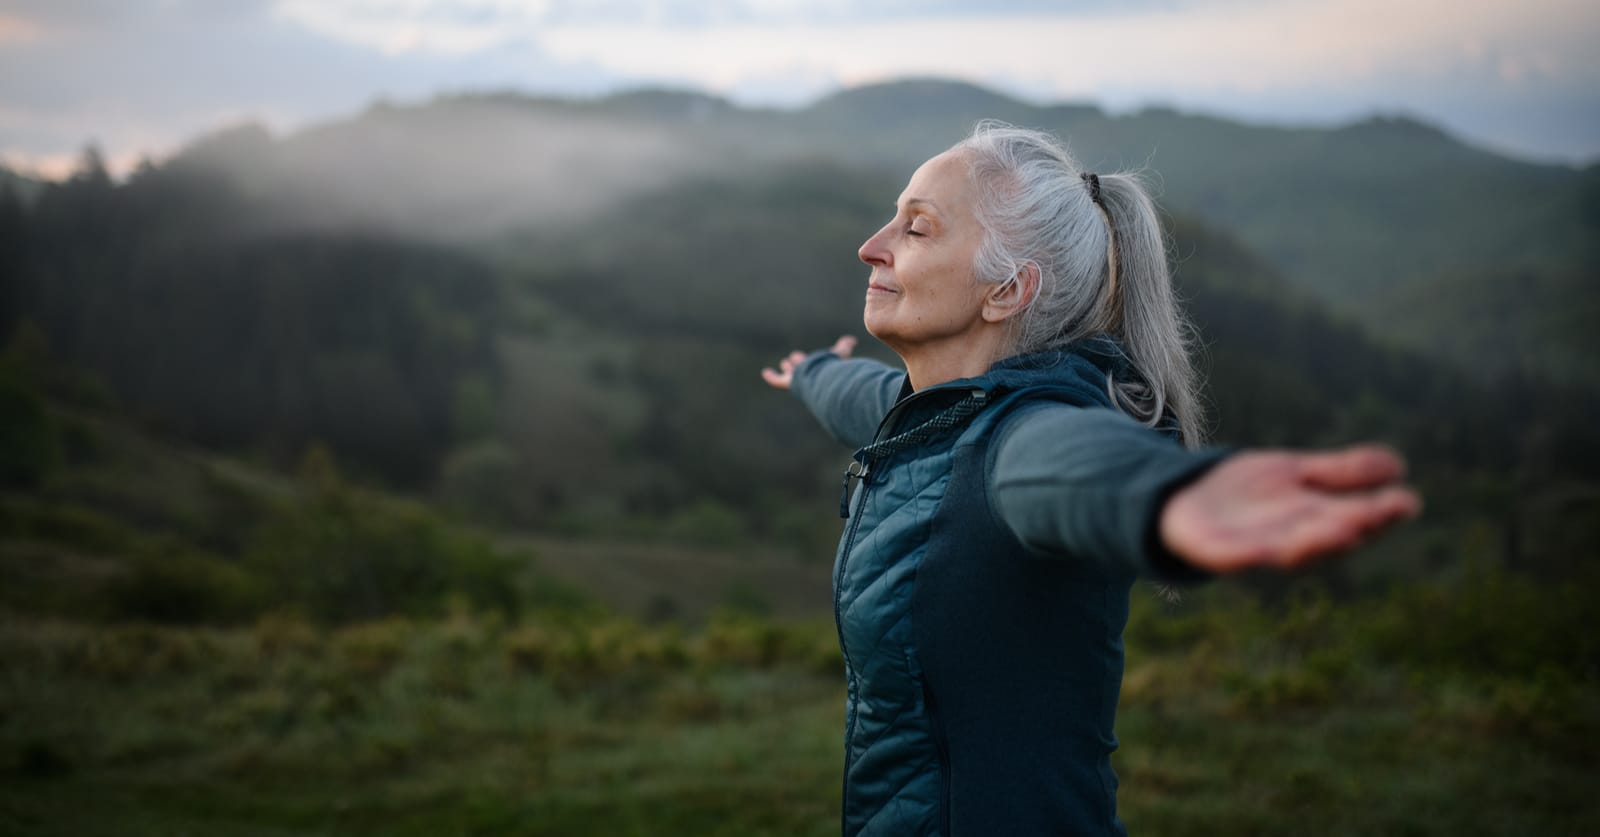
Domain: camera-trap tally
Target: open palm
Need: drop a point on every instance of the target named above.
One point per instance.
(783, 376)
(1286, 508)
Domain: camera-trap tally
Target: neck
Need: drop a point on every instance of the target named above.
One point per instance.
(930, 365)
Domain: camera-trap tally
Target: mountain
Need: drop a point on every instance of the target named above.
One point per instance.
(598, 380)
(1369, 216)
(1345, 211)
(465, 314)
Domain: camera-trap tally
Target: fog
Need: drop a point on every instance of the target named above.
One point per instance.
(457, 169)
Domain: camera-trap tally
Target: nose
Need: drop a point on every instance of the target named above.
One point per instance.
(875, 251)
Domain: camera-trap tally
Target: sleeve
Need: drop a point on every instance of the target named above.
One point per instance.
(849, 397)
(1091, 483)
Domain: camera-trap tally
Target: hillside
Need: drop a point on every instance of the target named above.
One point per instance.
(592, 374)
(106, 521)
(1343, 210)
(1360, 214)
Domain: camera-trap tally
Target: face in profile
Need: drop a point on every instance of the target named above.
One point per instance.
(922, 289)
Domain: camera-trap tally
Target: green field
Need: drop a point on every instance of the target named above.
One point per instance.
(1311, 718)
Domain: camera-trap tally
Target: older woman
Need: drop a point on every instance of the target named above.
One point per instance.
(1037, 453)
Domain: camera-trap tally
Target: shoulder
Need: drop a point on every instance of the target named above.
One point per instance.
(1029, 406)
(1025, 424)
(1033, 430)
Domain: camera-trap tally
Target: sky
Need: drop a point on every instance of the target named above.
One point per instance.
(140, 78)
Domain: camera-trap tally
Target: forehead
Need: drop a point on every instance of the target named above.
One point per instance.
(944, 181)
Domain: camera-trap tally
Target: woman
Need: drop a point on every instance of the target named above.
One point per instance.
(1036, 454)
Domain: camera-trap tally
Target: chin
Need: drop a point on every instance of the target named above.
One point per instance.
(884, 333)
(876, 325)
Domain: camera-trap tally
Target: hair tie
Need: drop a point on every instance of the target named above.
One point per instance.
(1113, 254)
(1094, 188)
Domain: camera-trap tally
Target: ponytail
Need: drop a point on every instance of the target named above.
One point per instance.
(1097, 244)
(1149, 324)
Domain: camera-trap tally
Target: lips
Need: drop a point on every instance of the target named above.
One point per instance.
(874, 287)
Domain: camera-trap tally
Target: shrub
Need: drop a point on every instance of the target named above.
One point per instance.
(707, 523)
(528, 649)
(741, 640)
(371, 650)
(1491, 622)
(30, 442)
(347, 556)
(178, 587)
(283, 635)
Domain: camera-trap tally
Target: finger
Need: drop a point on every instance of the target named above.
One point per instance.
(1317, 539)
(776, 379)
(844, 345)
(1358, 467)
(1340, 524)
(1396, 503)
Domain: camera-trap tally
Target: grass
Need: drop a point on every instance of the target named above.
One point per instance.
(1375, 769)
(1235, 719)
(399, 728)
(646, 580)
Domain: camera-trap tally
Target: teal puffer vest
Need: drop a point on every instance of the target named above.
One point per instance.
(982, 679)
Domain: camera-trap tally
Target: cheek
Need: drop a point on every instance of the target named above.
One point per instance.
(955, 291)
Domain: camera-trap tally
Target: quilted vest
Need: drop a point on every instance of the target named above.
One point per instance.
(982, 679)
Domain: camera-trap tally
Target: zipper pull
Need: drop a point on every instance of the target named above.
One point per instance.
(857, 470)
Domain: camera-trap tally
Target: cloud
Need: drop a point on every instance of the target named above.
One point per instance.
(145, 77)
(447, 25)
(1241, 45)
(395, 27)
(1284, 59)
(78, 16)
(147, 74)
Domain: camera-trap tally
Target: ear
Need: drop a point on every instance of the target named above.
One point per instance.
(1009, 298)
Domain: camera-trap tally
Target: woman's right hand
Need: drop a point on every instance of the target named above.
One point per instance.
(783, 376)
(1286, 509)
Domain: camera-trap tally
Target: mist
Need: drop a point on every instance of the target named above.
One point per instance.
(457, 169)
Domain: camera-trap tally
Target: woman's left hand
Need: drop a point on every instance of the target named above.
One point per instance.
(783, 376)
(1286, 509)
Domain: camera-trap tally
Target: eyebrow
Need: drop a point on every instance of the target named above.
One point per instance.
(910, 202)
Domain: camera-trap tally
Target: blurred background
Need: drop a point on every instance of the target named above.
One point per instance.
(382, 449)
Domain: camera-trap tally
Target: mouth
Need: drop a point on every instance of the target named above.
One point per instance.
(875, 288)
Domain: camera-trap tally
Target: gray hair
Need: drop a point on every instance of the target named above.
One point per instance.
(1102, 266)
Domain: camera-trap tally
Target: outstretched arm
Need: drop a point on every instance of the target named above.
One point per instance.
(848, 396)
(1095, 485)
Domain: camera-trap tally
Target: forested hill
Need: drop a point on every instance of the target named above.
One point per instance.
(597, 373)
(549, 314)
(1382, 219)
